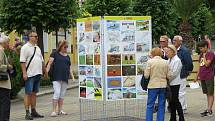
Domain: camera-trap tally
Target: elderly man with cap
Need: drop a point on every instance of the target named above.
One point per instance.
(5, 84)
(187, 67)
(175, 66)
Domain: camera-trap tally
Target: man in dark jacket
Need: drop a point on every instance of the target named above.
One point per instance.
(185, 56)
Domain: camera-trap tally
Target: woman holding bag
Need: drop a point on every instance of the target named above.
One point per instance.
(158, 71)
(5, 84)
(60, 63)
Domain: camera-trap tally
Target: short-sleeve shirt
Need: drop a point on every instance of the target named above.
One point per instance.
(35, 67)
(61, 67)
(206, 73)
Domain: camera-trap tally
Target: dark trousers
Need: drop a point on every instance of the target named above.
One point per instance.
(175, 104)
(4, 104)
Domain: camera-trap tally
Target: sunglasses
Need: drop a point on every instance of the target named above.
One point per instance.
(65, 47)
(34, 36)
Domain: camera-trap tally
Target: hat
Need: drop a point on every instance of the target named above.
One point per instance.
(172, 47)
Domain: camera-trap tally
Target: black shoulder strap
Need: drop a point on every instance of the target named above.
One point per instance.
(31, 58)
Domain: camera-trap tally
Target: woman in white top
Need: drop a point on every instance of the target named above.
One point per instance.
(175, 66)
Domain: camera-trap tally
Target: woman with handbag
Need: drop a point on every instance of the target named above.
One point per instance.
(158, 71)
(5, 84)
(59, 63)
(175, 66)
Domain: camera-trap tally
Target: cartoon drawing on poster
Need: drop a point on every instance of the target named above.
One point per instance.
(96, 59)
(97, 48)
(82, 80)
(143, 47)
(129, 70)
(129, 92)
(98, 82)
(129, 81)
(88, 37)
(81, 26)
(81, 37)
(82, 59)
(88, 26)
(142, 58)
(90, 93)
(90, 48)
(114, 71)
(128, 25)
(113, 48)
(143, 36)
(114, 59)
(90, 82)
(128, 47)
(114, 82)
(96, 26)
(82, 70)
(89, 59)
(83, 92)
(114, 94)
(128, 59)
(128, 36)
(142, 25)
(96, 36)
(113, 25)
(113, 36)
(82, 49)
(89, 71)
(97, 71)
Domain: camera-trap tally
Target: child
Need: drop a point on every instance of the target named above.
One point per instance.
(206, 75)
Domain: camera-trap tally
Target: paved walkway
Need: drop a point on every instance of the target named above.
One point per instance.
(196, 104)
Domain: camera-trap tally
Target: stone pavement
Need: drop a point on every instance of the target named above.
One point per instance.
(196, 104)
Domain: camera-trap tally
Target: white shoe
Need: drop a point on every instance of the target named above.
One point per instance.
(53, 114)
(62, 113)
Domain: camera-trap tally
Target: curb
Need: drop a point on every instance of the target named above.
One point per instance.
(45, 92)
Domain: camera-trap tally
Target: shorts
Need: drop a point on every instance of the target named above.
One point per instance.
(32, 84)
(208, 87)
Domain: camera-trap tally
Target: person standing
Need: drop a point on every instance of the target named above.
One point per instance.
(32, 71)
(187, 67)
(206, 75)
(158, 71)
(175, 66)
(164, 40)
(60, 63)
(5, 84)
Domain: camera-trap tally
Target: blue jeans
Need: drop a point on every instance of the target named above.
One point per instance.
(32, 84)
(152, 96)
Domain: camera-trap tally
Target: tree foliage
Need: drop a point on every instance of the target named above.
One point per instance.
(48, 15)
(106, 7)
(164, 19)
(202, 21)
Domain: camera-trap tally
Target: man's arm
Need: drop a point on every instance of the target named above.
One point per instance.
(24, 72)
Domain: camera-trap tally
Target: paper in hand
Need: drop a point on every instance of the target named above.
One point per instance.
(194, 85)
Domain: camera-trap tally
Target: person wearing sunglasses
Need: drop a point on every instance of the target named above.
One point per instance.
(59, 63)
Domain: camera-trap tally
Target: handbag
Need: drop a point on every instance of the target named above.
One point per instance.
(4, 74)
(168, 92)
(144, 83)
(51, 70)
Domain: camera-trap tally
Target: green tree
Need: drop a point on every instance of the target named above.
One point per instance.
(48, 15)
(202, 21)
(164, 19)
(185, 9)
(107, 7)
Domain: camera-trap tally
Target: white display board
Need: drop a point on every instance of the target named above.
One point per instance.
(112, 53)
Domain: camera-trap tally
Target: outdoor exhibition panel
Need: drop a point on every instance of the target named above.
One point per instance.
(112, 53)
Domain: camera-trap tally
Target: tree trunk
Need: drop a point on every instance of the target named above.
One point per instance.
(39, 30)
(56, 33)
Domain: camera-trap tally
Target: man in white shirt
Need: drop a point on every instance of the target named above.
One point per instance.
(31, 73)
